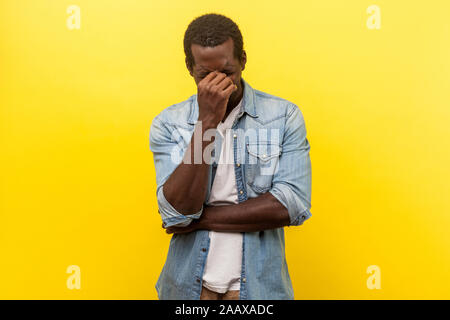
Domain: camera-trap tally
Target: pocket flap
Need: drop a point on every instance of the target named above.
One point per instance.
(264, 151)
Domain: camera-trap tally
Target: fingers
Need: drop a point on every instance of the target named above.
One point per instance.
(210, 80)
(208, 77)
(218, 78)
(225, 83)
(229, 90)
(212, 86)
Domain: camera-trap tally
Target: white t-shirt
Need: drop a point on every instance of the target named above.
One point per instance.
(223, 264)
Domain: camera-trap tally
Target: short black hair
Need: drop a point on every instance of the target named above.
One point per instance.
(210, 30)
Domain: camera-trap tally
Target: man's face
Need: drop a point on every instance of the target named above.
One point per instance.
(220, 58)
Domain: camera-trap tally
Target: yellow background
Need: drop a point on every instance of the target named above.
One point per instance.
(77, 175)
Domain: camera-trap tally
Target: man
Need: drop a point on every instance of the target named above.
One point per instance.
(226, 201)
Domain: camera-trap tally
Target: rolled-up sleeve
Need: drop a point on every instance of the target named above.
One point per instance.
(291, 183)
(164, 147)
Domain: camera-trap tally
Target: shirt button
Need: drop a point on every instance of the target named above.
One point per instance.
(234, 135)
(198, 280)
(241, 192)
(204, 249)
(264, 156)
(238, 164)
(243, 279)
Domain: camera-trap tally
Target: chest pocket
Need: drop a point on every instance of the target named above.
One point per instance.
(261, 164)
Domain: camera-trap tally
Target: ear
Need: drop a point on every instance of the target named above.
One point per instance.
(187, 66)
(243, 60)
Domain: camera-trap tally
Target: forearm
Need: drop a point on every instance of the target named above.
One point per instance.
(256, 214)
(186, 187)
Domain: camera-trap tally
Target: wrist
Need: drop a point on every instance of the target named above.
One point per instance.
(208, 123)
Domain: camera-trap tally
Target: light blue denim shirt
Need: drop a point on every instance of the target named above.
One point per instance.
(271, 154)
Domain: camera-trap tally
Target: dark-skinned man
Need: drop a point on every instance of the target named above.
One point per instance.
(227, 208)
